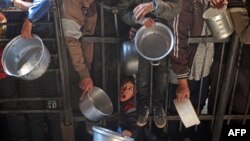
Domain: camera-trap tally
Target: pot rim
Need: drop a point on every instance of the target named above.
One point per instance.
(89, 100)
(92, 101)
(8, 46)
(166, 53)
(219, 22)
(107, 132)
(217, 13)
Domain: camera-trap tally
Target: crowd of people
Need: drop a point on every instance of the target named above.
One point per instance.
(189, 72)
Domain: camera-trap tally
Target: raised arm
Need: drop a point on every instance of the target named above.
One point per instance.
(182, 55)
(126, 13)
(38, 9)
(166, 9)
(133, 13)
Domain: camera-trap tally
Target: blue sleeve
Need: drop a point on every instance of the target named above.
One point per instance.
(5, 3)
(38, 9)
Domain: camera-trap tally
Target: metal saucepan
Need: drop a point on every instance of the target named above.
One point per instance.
(102, 134)
(129, 58)
(96, 105)
(25, 59)
(219, 22)
(154, 43)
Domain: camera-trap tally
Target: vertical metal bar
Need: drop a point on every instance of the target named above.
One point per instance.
(57, 73)
(232, 95)
(201, 80)
(151, 93)
(201, 86)
(234, 84)
(225, 91)
(180, 126)
(67, 115)
(103, 48)
(115, 11)
(247, 107)
(63, 61)
(166, 98)
(217, 86)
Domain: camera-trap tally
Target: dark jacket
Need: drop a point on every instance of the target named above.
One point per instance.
(189, 23)
(129, 117)
(239, 14)
(164, 9)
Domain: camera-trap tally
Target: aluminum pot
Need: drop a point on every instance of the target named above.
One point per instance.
(154, 43)
(219, 22)
(25, 59)
(102, 134)
(96, 104)
(129, 58)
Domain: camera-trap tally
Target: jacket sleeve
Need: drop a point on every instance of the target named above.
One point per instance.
(38, 9)
(128, 122)
(179, 56)
(167, 9)
(76, 54)
(240, 19)
(126, 12)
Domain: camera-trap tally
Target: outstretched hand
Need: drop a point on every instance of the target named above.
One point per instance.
(86, 85)
(26, 29)
(126, 133)
(182, 92)
(148, 22)
(142, 9)
(218, 3)
(23, 5)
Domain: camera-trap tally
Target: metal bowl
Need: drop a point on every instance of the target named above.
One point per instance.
(154, 43)
(102, 134)
(96, 105)
(25, 59)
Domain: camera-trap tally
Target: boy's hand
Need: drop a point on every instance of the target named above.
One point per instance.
(182, 91)
(26, 29)
(218, 3)
(126, 133)
(142, 9)
(86, 85)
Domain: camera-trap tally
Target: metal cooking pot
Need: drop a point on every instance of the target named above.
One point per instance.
(102, 134)
(96, 104)
(219, 22)
(154, 43)
(129, 58)
(25, 59)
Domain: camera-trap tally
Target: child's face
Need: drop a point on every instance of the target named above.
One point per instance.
(127, 91)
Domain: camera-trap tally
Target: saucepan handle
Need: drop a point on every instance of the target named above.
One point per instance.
(155, 63)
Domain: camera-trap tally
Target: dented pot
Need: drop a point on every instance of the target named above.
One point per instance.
(25, 59)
